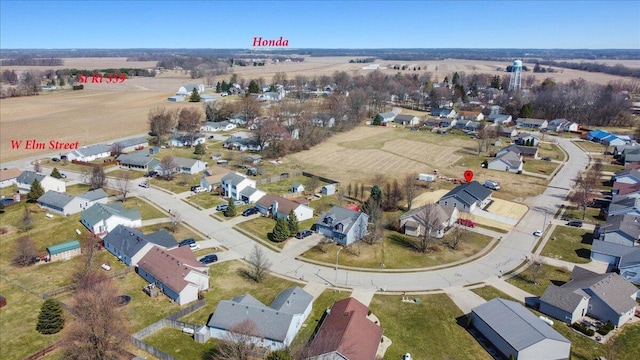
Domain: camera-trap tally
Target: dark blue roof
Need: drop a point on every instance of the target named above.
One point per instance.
(469, 193)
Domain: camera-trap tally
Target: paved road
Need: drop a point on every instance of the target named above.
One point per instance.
(509, 253)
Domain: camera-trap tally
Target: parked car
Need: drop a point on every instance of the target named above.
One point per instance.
(492, 185)
(576, 223)
(210, 137)
(546, 158)
(222, 207)
(63, 157)
(143, 184)
(537, 233)
(250, 211)
(187, 241)
(55, 159)
(63, 175)
(209, 259)
(616, 162)
(303, 234)
(239, 203)
(198, 189)
(467, 222)
(194, 247)
(151, 174)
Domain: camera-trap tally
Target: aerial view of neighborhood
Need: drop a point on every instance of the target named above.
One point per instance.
(321, 180)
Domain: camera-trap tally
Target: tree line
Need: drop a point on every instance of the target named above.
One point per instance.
(617, 69)
(31, 61)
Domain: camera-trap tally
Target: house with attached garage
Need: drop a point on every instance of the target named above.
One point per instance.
(467, 197)
(524, 151)
(627, 176)
(176, 272)
(407, 120)
(507, 161)
(623, 229)
(187, 140)
(131, 145)
(613, 140)
(500, 119)
(277, 207)
(251, 195)
(526, 139)
(212, 126)
(532, 123)
(346, 332)
(273, 327)
(470, 115)
(433, 218)
(140, 161)
(607, 297)
(507, 132)
(102, 218)
(47, 182)
(129, 245)
(189, 166)
(212, 177)
(387, 117)
(624, 258)
(342, 225)
(622, 205)
(90, 153)
(66, 204)
(517, 333)
(9, 177)
(234, 183)
(631, 155)
(443, 113)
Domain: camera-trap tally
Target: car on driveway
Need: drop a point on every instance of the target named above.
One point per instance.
(222, 207)
(537, 233)
(187, 241)
(55, 159)
(303, 234)
(209, 259)
(467, 222)
(250, 211)
(194, 247)
(143, 184)
(576, 223)
(63, 175)
(546, 158)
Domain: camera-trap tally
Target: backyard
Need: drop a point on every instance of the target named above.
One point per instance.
(546, 275)
(569, 244)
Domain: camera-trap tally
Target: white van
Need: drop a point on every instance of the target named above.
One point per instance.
(492, 185)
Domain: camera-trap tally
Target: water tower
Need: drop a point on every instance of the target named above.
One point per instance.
(516, 76)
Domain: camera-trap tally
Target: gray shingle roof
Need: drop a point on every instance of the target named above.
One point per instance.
(510, 158)
(162, 238)
(184, 162)
(233, 178)
(340, 215)
(27, 177)
(515, 324)
(468, 193)
(55, 199)
(130, 240)
(93, 195)
(609, 248)
(138, 159)
(632, 258)
(99, 212)
(271, 322)
(521, 150)
(563, 299)
(435, 213)
(131, 142)
(92, 150)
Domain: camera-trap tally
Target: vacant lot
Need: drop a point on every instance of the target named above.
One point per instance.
(569, 244)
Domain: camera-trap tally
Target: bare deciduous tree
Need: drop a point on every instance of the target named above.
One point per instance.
(260, 264)
(312, 184)
(430, 222)
(175, 220)
(169, 165)
(36, 166)
(237, 344)
(456, 235)
(88, 248)
(99, 327)
(97, 178)
(116, 149)
(25, 251)
(123, 184)
(189, 120)
(535, 267)
(410, 185)
(161, 122)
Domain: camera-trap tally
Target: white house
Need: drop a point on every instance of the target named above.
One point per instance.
(251, 195)
(90, 153)
(467, 197)
(234, 183)
(65, 204)
(189, 166)
(532, 123)
(407, 120)
(508, 161)
(212, 126)
(186, 90)
(272, 327)
(279, 207)
(47, 182)
(186, 140)
(102, 218)
(9, 177)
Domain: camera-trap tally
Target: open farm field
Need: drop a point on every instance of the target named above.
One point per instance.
(90, 63)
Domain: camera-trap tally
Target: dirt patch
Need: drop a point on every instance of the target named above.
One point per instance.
(508, 209)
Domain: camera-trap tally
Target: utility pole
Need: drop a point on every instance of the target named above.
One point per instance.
(337, 254)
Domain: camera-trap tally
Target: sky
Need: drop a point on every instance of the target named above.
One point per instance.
(536, 24)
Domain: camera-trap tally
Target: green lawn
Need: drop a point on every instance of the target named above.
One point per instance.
(133, 174)
(147, 211)
(588, 146)
(545, 276)
(178, 344)
(9, 191)
(283, 186)
(539, 166)
(552, 151)
(397, 252)
(489, 293)
(77, 189)
(569, 244)
(227, 281)
(592, 216)
(180, 182)
(261, 228)
(429, 328)
(181, 233)
(206, 200)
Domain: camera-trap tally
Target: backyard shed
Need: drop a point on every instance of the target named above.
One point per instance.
(329, 189)
(65, 250)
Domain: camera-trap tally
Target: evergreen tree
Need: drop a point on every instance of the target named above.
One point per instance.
(218, 88)
(456, 78)
(61, 81)
(224, 86)
(496, 82)
(35, 192)
(273, 88)
(526, 111)
(199, 149)
(51, 319)
(231, 208)
(254, 88)
(292, 223)
(377, 120)
(280, 232)
(195, 97)
(1, 208)
(56, 174)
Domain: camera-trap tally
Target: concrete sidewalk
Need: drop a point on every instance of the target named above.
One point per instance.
(315, 289)
(513, 291)
(465, 299)
(362, 295)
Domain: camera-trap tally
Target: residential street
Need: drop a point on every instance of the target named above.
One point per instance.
(508, 254)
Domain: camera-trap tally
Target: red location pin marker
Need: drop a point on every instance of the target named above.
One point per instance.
(468, 175)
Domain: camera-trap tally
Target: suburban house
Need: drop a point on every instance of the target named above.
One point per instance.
(272, 95)
(387, 117)
(507, 132)
(296, 187)
(64, 251)
(524, 151)
(176, 272)
(613, 140)
(90, 153)
(130, 245)
(526, 139)
(278, 207)
(448, 122)
(500, 119)
(9, 177)
(187, 90)
(343, 225)
(187, 140)
(532, 123)
(467, 197)
(630, 156)
(443, 113)
(212, 126)
(407, 120)
(102, 218)
(140, 161)
(622, 257)
(432, 217)
(213, 177)
(189, 166)
(251, 195)
(622, 205)
(47, 182)
(627, 176)
(622, 229)
(66, 204)
(620, 188)
(433, 122)
(606, 297)
(131, 145)
(596, 135)
(517, 333)
(507, 161)
(272, 327)
(563, 125)
(471, 115)
(346, 332)
(619, 150)
(253, 159)
(234, 183)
